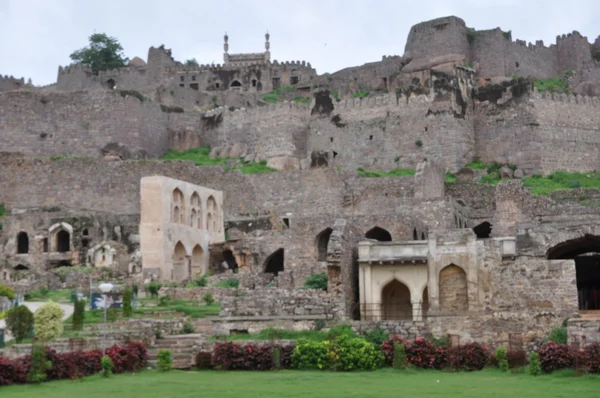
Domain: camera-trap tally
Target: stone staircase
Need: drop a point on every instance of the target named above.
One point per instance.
(183, 349)
(590, 315)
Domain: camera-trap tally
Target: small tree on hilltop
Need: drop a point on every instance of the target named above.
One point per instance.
(191, 62)
(103, 53)
(127, 301)
(48, 321)
(19, 321)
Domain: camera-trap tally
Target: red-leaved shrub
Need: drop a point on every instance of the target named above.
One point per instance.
(592, 357)
(13, 371)
(129, 358)
(387, 347)
(554, 356)
(231, 356)
(468, 357)
(421, 353)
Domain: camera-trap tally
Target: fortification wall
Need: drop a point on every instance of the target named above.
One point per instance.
(9, 83)
(79, 123)
(387, 132)
(441, 36)
(573, 51)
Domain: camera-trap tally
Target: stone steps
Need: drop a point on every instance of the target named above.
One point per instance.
(183, 349)
(590, 315)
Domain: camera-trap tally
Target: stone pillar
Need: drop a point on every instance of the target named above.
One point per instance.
(417, 316)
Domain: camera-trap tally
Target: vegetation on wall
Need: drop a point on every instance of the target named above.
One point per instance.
(275, 95)
(103, 53)
(201, 157)
(392, 173)
(471, 35)
(557, 85)
(191, 62)
(560, 180)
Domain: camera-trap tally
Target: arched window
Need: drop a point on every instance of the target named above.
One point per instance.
(379, 234)
(453, 289)
(196, 206)
(322, 244)
(236, 83)
(415, 234)
(211, 214)
(22, 243)
(178, 207)
(274, 264)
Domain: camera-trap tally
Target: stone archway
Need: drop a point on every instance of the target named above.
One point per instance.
(379, 234)
(274, 264)
(322, 244)
(453, 289)
(180, 271)
(197, 260)
(395, 301)
(63, 241)
(22, 243)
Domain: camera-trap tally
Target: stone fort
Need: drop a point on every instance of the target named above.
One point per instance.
(84, 185)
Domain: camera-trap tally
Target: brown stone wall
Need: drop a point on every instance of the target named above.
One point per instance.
(453, 289)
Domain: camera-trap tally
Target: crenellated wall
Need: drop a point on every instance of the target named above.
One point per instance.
(437, 37)
(9, 83)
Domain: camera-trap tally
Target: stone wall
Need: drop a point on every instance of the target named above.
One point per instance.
(437, 37)
(80, 123)
(9, 83)
(583, 331)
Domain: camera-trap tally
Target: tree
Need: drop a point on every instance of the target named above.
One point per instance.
(191, 62)
(48, 321)
(103, 53)
(78, 314)
(19, 321)
(7, 291)
(127, 301)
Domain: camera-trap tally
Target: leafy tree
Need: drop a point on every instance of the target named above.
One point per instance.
(191, 62)
(127, 301)
(78, 314)
(48, 321)
(19, 321)
(7, 292)
(103, 53)
(39, 364)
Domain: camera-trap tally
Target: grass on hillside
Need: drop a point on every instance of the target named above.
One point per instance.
(384, 383)
(392, 173)
(543, 185)
(273, 96)
(201, 157)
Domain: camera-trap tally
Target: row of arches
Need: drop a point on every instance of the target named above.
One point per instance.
(183, 265)
(396, 303)
(190, 212)
(60, 241)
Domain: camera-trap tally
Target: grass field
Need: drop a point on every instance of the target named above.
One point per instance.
(287, 384)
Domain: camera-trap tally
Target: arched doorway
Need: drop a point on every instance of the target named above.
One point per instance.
(180, 271)
(63, 241)
(395, 302)
(585, 251)
(274, 264)
(236, 84)
(453, 289)
(379, 234)
(197, 260)
(21, 267)
(322, 243)
(229, 258)
(22, 243)
(483, 230)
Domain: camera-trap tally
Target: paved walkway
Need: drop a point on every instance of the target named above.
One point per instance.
(33, 306)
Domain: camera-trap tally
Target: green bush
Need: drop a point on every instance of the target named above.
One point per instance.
(208, 298)
(165, 360)
(78, 314)
(502, 359)
(354, 353)
(127, 301)
(107, 366)
(39, 364)
(6, 291)
(229, 283)
(535, 368)
(311, 355)
(188, 328)
(377, 336)
(164, 300)
(201, 281)
(441, 342)
(316, 281)
(19, 321)
(153, 288)
(48, 321)
(399, 355)
(558, 335)
(341, 330)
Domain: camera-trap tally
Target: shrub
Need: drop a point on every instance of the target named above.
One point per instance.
(19, 321)
(377, 336)
(534, 364)
(201, 281)
(188, 328)
(39, 364)
(441, 342)
(341, 330)
(421, 353)
(13, 371)
(554, 356)
(469, 357)
(6, 291)
(107, 366)
(208, 298)
(592, 357)
(399, 356)
(316, 281)
(48, 321)
(311, 355)
(276, 358)
(501, 359)
(354, 353)
(558, 335)
(129, 358)
(127, 301)
(153, 288)
(164, 300)
(165, 360)
(230, 356)
(78, 314)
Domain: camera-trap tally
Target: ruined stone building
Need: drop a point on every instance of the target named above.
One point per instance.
(478, 260)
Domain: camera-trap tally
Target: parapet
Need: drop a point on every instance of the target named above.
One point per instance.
(8, 83)
(583, 100)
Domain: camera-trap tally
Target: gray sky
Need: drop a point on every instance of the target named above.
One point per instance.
(36, 36)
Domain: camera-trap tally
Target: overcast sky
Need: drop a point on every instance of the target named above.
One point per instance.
(36, 36)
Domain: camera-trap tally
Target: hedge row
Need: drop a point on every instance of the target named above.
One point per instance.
(555, 356)
(74, 365)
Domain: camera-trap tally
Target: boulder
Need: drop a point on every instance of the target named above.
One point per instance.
(506, 172)
(518, 173)
(214, 153)
(225, 152)
(305, 164)
(284, 163)
(236, 150)
(249, 158)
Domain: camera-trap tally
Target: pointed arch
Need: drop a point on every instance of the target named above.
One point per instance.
(178, 207)
(63, 241)
(180, 271)
(379, 234)
(22, 243)
(21, 267)
(211, 214)
(196, 210)
(197, 260)
(395, 301)
(274, 264)
(323, 243)
(453, 289)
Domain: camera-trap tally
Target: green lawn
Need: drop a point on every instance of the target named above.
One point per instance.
(288, 384)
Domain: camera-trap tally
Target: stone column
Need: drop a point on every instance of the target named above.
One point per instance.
(417, 315)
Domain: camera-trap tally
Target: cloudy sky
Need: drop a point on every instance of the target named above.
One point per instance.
(38, 35)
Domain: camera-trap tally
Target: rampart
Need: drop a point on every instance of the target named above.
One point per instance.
(9, 83)
(80, 123)
(438, 37)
